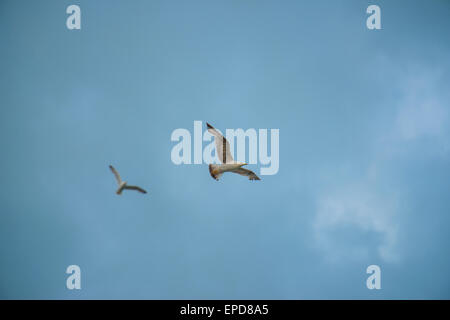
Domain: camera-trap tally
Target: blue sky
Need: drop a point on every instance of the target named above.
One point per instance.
(364, 149)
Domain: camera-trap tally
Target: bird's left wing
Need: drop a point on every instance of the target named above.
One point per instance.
(116, 174)
(222, 145)
(135, 188)
(245, 172)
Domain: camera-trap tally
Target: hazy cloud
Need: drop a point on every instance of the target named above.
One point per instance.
(352, 211)
(362, 212)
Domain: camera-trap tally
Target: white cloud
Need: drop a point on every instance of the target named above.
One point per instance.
(425, 118)
(346, 214)
(357, 210)
(421, 111)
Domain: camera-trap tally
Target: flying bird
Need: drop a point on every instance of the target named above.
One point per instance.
(123, 184)
(224, 155)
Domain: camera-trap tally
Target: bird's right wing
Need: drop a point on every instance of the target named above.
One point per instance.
(135, 188)
(222, 145)
(245, 172)
(116, 174)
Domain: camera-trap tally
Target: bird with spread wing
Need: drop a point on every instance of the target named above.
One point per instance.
(123, 184)
(224, 155)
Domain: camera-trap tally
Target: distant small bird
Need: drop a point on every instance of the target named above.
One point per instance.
(224, 155)
(123, 184)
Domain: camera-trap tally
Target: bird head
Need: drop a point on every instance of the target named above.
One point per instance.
(242, 164)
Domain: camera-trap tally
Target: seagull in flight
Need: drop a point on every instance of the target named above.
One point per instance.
(224, 155)
(123, 184)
